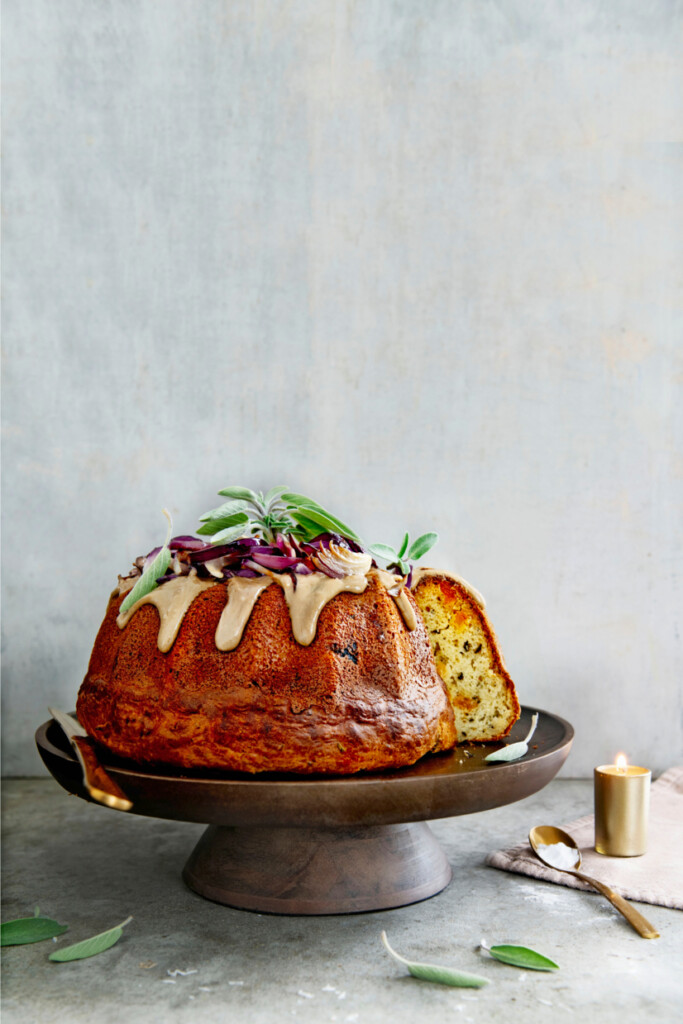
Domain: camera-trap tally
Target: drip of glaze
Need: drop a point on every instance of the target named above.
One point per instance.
(171, 600)
(395, 587)
(309, 597)
(305, 601)
(243, 593)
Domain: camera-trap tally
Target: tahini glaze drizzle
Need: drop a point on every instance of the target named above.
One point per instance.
(312, 593)
(243, 593)
(171, 601)
(305, 603)
(395, 586)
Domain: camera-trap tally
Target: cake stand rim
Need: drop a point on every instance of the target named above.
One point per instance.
(372, 798)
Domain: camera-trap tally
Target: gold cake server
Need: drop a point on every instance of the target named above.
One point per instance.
(100, 786)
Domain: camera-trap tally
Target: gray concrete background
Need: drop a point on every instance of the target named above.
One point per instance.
(421, 261)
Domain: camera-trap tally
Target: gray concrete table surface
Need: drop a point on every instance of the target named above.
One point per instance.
(90, 868)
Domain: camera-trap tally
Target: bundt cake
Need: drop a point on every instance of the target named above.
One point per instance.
(279, 645)
(364, 694)
(467, 656)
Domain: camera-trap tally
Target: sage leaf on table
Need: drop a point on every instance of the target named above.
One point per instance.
(90, 947)
(521, 956)
(513, 751)
(431, 972)
(30, 929)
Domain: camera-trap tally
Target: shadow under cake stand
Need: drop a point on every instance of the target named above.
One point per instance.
(291, 844)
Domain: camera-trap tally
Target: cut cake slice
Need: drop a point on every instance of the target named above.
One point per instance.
(467, 656)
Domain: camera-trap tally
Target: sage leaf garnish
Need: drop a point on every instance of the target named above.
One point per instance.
(148, 581)
(514, 750)
(400, 561)
(239, 492)
(90, 947)
(293, 500)
(442, 975)
(422, 545)
(307, 513)
(277, 513)
(306, 528)
(29, 929)
(212, 526)
(227, 536)
(521, 956)
(384, 551)
(275, 492)
(230, 508)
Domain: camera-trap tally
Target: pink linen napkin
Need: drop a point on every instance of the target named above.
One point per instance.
(656, 877)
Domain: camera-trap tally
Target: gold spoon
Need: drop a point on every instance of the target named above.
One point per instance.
(548, 835)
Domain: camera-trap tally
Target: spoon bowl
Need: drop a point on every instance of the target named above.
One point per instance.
(557, 849)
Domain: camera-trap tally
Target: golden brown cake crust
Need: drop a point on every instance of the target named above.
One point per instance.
(364, 695)
(468, 658)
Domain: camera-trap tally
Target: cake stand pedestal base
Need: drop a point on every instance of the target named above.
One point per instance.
(318, 870)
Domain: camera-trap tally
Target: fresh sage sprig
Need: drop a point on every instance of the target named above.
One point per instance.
(514, 750)
(400, 560)
(431, 972)
(24, 930)
(90, 947)
(148, 581)
(520, 956)
(279, 511)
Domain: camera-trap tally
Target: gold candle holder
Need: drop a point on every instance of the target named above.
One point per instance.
(622, 805)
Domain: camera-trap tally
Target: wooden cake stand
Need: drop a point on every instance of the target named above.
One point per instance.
(293, 844)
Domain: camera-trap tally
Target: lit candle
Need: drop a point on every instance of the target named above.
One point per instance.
(622, 804)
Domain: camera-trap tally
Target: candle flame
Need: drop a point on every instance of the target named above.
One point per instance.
(621, 762)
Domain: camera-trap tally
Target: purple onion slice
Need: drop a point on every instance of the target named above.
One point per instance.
(220, 551)
(276, 562)
(185, 543)
(247, 556)
(334, 574)
(169, 575)
(267, 549)
(149, 558)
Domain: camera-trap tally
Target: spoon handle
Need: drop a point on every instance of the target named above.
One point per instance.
(634, 918)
